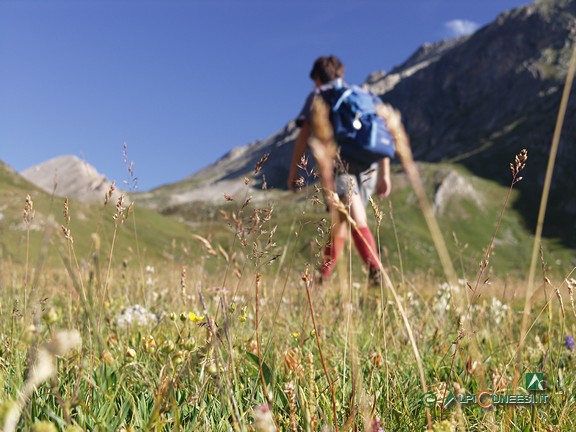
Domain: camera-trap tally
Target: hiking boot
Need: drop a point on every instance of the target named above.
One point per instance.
(375, 277)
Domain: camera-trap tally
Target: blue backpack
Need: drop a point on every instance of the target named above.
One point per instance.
(362, 135)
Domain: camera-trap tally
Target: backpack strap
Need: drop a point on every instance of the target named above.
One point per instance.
(342, 98)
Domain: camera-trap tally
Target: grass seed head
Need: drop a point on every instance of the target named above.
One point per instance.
(108, 195)
(28, 212)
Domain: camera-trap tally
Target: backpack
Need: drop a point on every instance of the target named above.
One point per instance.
(362, 135)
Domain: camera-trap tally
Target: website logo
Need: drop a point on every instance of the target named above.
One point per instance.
(534, 381)
(486, 398)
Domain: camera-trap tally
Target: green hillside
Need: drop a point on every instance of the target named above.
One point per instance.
(299, 222)
(467, 223)
(138, 233)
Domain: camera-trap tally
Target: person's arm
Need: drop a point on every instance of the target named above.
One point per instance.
(383, 182)
(299, 149)
(394, 123)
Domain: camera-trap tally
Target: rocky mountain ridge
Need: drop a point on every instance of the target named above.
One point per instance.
(69, 176)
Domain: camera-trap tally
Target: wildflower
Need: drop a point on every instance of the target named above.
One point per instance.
(130, 354)
(44, 426)
(149, 344)
(498, 310)
(570, 342)
(107, 357)
(111, 340)
(179, 357)
(243, 315)
(263, 420)
(190, 344)
(195, 318)
(135, 315)
(212, 368)
(443, 298)
(168, 346)
(376, 425)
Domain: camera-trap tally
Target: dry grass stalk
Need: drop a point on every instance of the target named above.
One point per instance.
(378, 214)
(27, 216)
(28, 213)
(206, 244)
(261, 162)
(571, 287)
(108, 195)
(290, 389)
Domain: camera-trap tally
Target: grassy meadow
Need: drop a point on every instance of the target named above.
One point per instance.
(117, 318)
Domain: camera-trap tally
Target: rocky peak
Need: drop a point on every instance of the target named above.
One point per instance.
(69, 176)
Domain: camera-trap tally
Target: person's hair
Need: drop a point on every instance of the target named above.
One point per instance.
(327, 69)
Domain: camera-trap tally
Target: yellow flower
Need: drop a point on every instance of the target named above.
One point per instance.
(149, 344)
(195, 318)
(179, 357)
(130, 354)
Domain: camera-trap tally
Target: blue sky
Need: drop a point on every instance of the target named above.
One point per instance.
(183, 82)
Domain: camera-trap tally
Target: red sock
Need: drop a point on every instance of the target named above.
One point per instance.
(331, 253)
(366, 246)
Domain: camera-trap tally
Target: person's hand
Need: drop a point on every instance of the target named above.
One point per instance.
(383, 187)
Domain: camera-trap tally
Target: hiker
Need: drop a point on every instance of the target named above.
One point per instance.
(352, 181)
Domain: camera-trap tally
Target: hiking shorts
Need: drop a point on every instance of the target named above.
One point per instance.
(362, 183)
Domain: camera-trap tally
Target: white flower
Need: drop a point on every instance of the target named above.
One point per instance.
(135, 315)
(498, 310)
(442, 301)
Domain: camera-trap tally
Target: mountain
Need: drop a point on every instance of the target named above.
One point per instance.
(39, 236)
(479, 100)
(225, 175)
(476, 100)
(69, 176)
